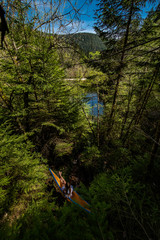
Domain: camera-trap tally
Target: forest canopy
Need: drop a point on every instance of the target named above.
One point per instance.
(111, 158)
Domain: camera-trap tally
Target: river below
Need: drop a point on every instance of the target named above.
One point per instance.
(93, 102)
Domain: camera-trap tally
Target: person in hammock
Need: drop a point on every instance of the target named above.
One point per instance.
(66, 187)
(3, 25)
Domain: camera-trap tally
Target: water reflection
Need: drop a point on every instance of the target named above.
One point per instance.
(93, 102)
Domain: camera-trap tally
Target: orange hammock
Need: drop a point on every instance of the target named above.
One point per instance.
(76, 199)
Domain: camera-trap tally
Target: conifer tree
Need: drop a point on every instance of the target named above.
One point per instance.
(34, 99)
(146, 62)
(117, 24)
(22, 172)
(32, 85)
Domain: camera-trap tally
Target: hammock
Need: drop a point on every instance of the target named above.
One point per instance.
(76, 199)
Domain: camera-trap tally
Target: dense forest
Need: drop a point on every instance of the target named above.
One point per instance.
(87, 42)
(112, 159)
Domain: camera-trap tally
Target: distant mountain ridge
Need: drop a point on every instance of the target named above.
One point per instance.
(87, 42)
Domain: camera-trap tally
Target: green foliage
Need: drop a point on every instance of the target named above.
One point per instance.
(37, 92)
(37, 223)
(125, 205)
(120, 206)
(38, 105)
(87, 42)
(91, 157)
(130, 64)
(22, 173)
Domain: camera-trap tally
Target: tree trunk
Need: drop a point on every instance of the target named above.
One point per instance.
(147, 95)
(97, 115)
(126, 113)
(140, 109)
(154, 149)
(111, 117)
(26, 105)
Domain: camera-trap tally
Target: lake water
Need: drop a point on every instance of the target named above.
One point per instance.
(93, 102)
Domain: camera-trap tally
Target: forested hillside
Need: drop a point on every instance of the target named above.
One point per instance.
(87, 42)
(111, 159)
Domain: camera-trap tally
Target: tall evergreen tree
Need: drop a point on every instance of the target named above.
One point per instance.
(32, 78)
(117, 24)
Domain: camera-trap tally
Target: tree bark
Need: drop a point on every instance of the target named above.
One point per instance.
(154, 149)
(126, 113)
(98, 115)
(111, 117)
(140, 109)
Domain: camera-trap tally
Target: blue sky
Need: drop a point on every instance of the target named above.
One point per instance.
(88, 17)
(67, 19)
(89, 9)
